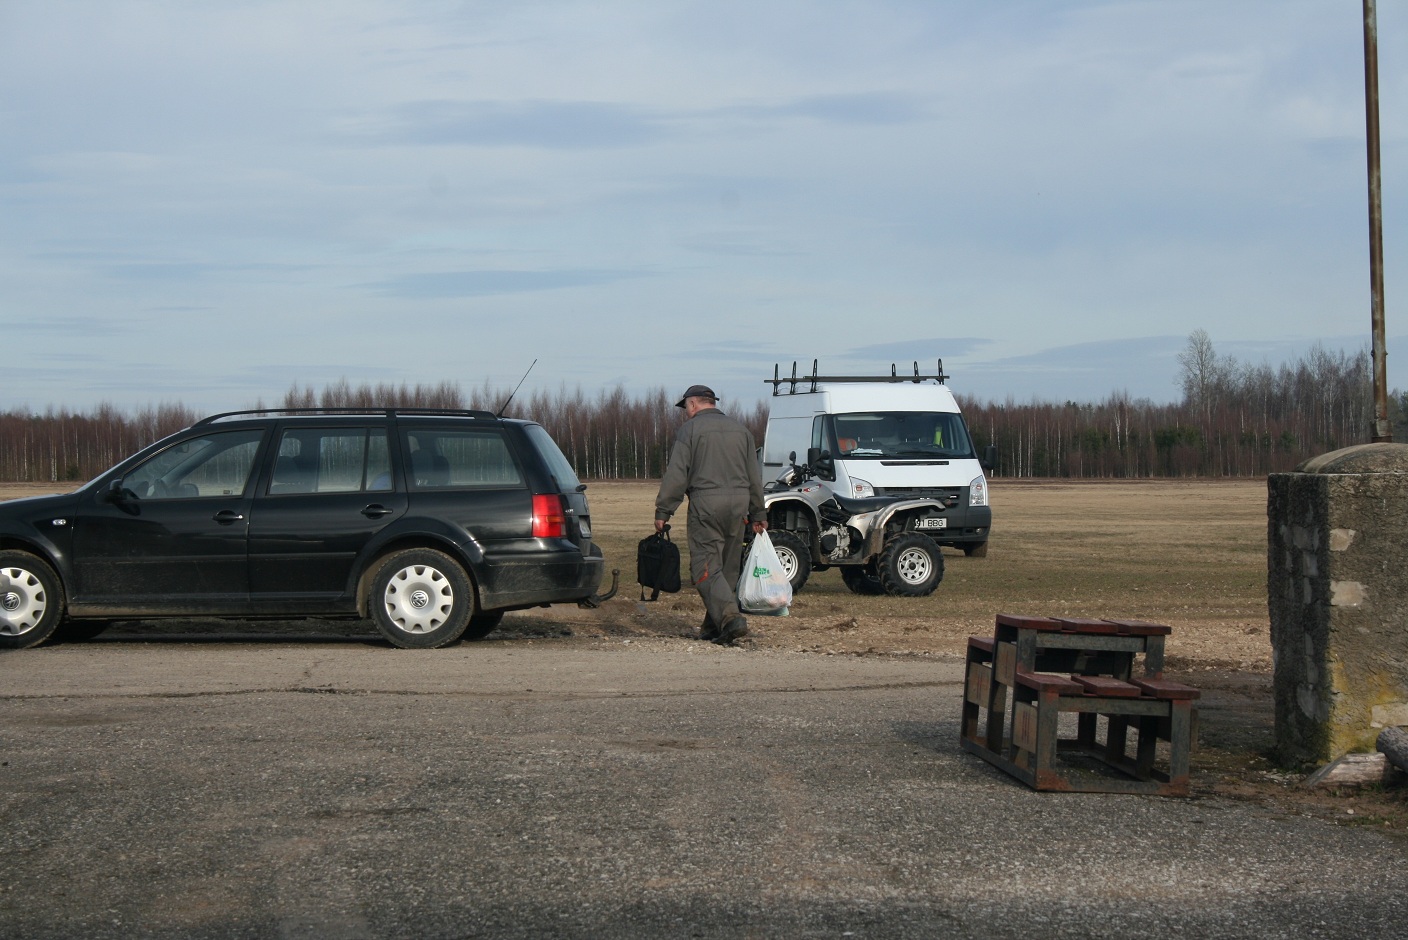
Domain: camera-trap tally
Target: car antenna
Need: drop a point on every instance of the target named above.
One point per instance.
(504, 406)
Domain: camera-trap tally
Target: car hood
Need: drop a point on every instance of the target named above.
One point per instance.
(30, 506)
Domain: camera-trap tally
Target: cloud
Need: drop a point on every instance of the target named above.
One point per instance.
(594, 125)
(909, 350)
(447, 284)
(552, 125)
(861, 108)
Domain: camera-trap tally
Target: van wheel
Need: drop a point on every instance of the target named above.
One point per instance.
(481, 625)
(420, 599)
(860, 580)
(31, 602)
(911, 566)
(980, 550)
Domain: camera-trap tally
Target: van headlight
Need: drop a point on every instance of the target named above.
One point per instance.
(861, 489)
(978, 492)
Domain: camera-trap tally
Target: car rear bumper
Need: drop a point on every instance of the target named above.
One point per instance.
(532, 580)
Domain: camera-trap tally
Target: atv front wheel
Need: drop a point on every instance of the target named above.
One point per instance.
(911, 566)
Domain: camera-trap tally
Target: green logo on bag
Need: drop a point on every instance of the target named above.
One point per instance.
(761, 572)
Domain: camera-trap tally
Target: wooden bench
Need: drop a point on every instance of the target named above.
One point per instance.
(1154, 709)
(1017, 665)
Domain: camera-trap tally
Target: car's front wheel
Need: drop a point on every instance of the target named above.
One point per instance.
(31, 601)
(421, 599)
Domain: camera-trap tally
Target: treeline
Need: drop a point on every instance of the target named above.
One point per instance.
(1235, 420)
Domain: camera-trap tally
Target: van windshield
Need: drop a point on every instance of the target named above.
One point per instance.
(885, 434)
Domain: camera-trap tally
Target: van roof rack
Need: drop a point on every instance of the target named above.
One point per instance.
(348, 410)
(813, 380)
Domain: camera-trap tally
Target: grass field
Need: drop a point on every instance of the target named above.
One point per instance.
(1189, 554)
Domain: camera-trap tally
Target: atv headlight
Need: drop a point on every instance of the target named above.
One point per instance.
(977, 492)
(861, 489)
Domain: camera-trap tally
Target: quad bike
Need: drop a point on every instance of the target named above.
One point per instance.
(881, 544)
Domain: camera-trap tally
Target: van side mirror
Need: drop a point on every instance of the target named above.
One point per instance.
(989, 460)
(821, 463)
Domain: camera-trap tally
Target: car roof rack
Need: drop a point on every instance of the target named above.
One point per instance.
(349, 410)
(815, 379)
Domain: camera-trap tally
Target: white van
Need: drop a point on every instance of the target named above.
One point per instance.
(883, 435)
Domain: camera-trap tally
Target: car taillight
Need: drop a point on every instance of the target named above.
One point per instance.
(549, 517)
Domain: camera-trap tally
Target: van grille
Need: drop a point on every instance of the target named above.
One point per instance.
(948, 494)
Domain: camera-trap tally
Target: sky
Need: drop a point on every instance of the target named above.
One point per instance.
(208, 203)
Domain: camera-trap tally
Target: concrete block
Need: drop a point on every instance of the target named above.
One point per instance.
(1337, 589)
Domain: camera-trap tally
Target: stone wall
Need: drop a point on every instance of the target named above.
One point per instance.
(1337, 588)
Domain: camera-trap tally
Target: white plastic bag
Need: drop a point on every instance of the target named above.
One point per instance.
(764, 588)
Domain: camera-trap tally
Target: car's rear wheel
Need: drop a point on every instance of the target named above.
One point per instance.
(421, 599)
(31, 601)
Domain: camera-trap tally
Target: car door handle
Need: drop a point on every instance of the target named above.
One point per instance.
(228, 517)
(376, 511)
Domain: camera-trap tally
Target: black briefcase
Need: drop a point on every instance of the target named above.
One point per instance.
(658, 565)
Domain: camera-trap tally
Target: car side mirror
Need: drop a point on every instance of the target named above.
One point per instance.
(989, 460)
(116, 493)
(821, 463)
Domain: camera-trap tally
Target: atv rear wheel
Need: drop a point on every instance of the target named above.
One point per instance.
(795, 557)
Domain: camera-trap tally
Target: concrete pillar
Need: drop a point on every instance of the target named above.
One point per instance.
(1337, 588)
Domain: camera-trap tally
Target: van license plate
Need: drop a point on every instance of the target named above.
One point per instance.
(932, 522)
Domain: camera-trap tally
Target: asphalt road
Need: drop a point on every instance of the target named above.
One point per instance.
(334, 788)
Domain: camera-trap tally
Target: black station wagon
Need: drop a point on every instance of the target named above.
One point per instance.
(431, 523)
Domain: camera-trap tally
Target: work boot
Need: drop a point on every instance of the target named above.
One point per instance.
(735, 628)
(707, 630)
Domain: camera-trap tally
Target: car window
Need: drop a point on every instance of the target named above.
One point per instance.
(557, 463)
(441, 459)
(212, 465)
(331, 460)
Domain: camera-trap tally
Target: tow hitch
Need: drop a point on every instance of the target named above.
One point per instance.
(596, 600)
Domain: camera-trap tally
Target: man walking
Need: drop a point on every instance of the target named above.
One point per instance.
(714, 463)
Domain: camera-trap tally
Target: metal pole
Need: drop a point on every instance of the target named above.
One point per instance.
(1383, 429)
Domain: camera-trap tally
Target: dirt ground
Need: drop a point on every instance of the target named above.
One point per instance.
(1191, 554)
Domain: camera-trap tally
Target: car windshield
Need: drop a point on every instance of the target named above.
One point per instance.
(915, 434)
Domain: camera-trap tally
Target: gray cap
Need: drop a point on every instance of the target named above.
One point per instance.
(696, 391)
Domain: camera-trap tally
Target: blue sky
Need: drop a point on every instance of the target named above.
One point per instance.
(207, 202)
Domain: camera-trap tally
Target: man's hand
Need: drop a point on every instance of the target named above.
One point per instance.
(759, 528)
(659, 525)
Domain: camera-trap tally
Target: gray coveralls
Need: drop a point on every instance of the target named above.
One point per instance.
(714, 462)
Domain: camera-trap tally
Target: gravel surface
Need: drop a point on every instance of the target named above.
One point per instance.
(325, 786)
